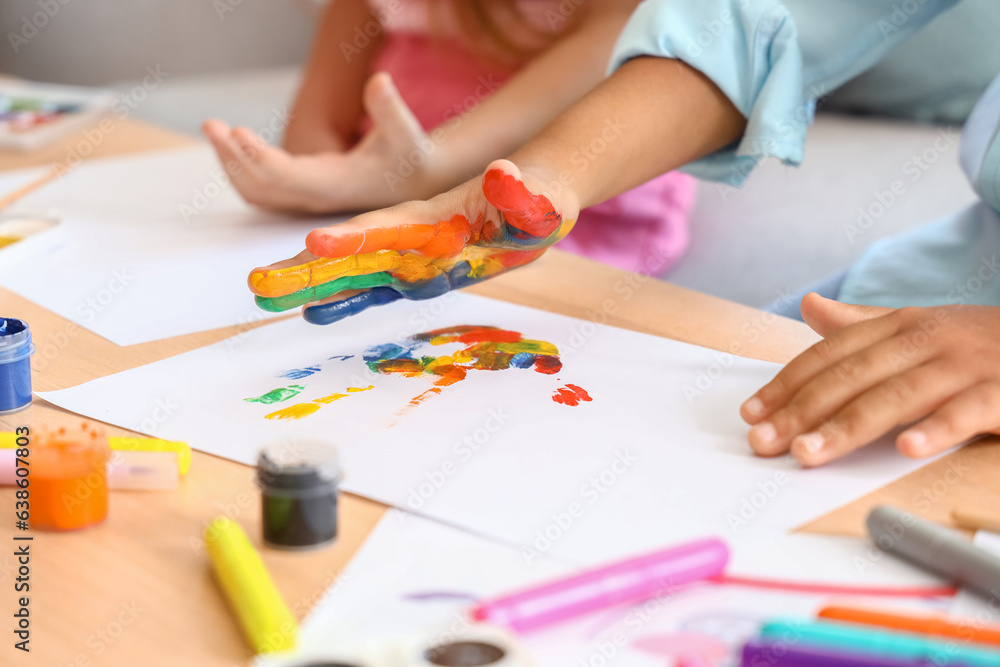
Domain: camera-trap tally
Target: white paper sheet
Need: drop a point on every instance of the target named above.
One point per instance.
(148, 247)
(415, 575)
(650, 460)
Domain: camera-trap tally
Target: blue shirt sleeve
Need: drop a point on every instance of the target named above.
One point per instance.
(773, 59)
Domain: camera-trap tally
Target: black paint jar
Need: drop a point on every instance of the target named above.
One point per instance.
(298, 482)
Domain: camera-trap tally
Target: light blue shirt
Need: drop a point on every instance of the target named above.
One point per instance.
(953, 260)
(774, 59)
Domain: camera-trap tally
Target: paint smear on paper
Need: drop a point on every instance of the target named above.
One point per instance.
(277, 395)
(484, 348)
(571, 394)
(299, 373)
(301, 410)
(297, 411)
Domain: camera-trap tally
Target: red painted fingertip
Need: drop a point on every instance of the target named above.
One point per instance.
(530, 213)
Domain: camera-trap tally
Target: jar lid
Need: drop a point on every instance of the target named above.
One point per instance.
(297, 463)
(15, 340)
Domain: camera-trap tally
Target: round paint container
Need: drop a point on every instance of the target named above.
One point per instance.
(298, 482)
(15, 365)
(69, 478)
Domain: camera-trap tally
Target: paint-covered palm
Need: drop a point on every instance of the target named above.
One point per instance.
(418, 250)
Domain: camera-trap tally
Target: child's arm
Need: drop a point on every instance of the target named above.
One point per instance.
(327, 108)
(552, 82)
(511, 215)
(879, 369)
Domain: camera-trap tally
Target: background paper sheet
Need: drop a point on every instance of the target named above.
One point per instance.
(658, 455)
(166, 255)
(387, 592)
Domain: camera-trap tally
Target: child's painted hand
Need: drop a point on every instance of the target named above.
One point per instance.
(420, 249)
(878, 369)
(365, 177)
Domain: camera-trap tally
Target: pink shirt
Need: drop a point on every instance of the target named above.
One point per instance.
(644, 230)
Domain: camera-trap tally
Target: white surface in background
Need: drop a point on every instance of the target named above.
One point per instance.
(148, 247)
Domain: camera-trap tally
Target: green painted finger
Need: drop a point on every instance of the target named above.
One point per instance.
(310, 294)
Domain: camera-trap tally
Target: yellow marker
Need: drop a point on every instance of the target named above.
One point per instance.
(265, 617)
(182, 449)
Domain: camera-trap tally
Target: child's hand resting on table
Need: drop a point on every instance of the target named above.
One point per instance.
(878, 369)
(363, 177)
(420, 249)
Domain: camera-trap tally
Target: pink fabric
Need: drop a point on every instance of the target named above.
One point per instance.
(643, 230)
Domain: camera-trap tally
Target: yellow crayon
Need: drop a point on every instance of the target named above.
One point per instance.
(182, 449)
(266, 619)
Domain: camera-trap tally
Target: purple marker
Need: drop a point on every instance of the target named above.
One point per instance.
(787, 654)
(633, 580)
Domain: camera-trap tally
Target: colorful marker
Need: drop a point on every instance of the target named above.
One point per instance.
(181, 449)
(859, 639)
(936, 548)
(632, 580)
(758, 653)
(936, 626)
(266, 620)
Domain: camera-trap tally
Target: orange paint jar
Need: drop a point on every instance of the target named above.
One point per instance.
(69, 478)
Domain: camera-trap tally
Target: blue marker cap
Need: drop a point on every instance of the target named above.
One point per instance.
(15, 365)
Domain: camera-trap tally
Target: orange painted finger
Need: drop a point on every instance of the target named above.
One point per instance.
(358, 236)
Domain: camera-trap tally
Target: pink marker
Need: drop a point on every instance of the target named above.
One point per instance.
(632, 580)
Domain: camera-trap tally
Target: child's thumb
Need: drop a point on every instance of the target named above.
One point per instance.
(390, 114)
(826, 316)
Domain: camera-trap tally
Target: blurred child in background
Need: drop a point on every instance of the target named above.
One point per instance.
(463, 81)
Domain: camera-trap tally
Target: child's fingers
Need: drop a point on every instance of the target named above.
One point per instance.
(826, 316)
(830, 390)
(532, 214)
(214, 129)
(220, 136)
(898, 400)
(249, 144)
(807, 365)
(970, 413)
(390, 113)
(319, 292)
(328, 313)
(306, 270)
(390, 230)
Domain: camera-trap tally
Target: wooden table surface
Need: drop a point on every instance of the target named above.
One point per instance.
(139, 587)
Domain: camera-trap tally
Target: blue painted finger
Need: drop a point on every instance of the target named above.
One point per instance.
(328, 313)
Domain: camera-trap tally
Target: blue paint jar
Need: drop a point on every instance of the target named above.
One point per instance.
(15, 365)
